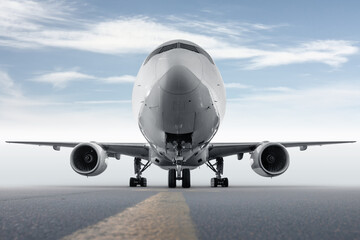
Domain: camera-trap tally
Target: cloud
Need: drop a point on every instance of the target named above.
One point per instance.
(104, 102)
(238, 31)
(264, 26)
(12, 97)
(237, 86)
(61, 79)
(21, 28)
(279, 89)
(28, 24)
(30, 15)
(120, 79)
(22, 18)
(7, 86)
(330, 52)
(340, 97)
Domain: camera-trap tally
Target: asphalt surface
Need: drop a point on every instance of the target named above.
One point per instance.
(242, 212)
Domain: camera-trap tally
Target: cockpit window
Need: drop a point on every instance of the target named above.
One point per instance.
(203, 52)
(189, 47)
(179, 45)
(168, 47)
(156, 51)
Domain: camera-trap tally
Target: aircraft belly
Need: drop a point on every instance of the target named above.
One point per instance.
(198, 157)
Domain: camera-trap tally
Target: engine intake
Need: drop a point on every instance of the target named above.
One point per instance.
(88, 159)
(270, 159)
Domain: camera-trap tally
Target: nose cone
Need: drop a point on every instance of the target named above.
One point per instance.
(179, 80)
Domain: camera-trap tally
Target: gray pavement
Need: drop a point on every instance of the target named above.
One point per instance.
(242, 212)
(51, 213)
(276, 213)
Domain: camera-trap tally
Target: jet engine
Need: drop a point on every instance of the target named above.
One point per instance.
(88, 159)
(270, 159)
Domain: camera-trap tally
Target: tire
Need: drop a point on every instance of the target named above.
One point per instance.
(186, 178)
(172, 178)
(132, 182)
(143, 182)
(213, 182)
(225, 182)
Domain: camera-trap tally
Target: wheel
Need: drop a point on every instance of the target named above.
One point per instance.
(133, 182)
(214, 182)
(225, 182)
(172, 178)
(143, 182)
(186, 178)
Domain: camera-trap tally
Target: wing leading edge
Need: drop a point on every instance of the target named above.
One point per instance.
(139, 150)
(227, 149)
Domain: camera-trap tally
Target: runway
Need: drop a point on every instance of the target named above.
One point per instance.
(243, 212)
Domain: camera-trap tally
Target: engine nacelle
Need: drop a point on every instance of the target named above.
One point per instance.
(88, 159)
(270, 159)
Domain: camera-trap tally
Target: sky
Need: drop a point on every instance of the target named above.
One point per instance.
(291, 71)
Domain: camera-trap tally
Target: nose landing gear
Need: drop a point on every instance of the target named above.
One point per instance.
(186, 183)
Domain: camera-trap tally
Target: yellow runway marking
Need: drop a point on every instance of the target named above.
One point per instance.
(162, 216)
(149, 190)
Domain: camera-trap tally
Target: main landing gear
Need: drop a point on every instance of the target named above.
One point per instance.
(185, 178)
(138, 180)
(218, 168)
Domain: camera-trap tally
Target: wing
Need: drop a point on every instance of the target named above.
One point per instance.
(139, 150)
(227, 149)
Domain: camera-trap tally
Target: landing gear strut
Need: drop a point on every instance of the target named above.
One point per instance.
(218, 168)
(138, 180)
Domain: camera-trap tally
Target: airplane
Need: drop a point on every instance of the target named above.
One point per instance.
(179, 101)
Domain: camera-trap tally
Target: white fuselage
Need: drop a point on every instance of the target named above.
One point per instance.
(179, 101)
